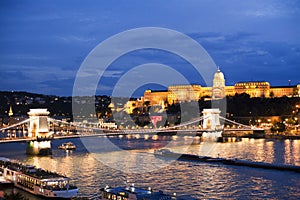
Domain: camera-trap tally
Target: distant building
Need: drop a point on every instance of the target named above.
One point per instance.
(186, 93)
(107, 125)
(158, 97)
(254, 89)
(10, 113)
(183, 93)
(218, 89)
(280, 91)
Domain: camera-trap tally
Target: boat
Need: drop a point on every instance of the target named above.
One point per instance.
(134, 193)
(36, 180)
(226, 161)
(67, 146)
(181, 156)
(162, 151)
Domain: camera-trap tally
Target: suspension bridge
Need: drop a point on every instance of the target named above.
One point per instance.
(40, 126)
(40, 129)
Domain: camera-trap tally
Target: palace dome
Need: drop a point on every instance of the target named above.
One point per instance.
(219, 80)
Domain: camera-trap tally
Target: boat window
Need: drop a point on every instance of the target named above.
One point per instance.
(104, 194)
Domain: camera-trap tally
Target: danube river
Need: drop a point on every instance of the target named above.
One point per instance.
(97, 166)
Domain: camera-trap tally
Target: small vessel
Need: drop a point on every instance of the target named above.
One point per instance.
(162, 151)
(67, 146)
(168, 153)
(36, 180)
(133, 193)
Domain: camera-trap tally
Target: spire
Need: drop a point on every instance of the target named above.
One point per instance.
(219, 68)
(10, 113)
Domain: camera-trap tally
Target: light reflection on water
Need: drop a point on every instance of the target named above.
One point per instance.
(197, 180)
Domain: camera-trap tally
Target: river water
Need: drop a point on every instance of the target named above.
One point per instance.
(94, 165)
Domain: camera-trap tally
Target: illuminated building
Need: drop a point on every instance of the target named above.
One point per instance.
(186, 93)
(230, 90)
(183, 93)
(254, 89)
(10, 113)
(218, 89)
(158, 97)
(206, 91)
(283, 91)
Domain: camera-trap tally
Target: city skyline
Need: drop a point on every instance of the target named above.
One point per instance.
(44, 44)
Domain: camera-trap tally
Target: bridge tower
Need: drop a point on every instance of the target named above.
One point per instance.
(39, 132)
(211, 122)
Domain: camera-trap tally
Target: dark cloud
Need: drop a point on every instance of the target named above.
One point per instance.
(42, 44)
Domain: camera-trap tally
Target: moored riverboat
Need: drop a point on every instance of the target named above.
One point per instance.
(226, 161)
(134, 193)
(36, 180)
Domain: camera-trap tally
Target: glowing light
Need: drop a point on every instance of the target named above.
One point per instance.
(137, 136)
(154, 137)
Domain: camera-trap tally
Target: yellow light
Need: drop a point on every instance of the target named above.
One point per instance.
(137, 136)
(154, 137)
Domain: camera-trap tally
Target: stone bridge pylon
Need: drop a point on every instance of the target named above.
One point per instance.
(211, 122)
(39, 132)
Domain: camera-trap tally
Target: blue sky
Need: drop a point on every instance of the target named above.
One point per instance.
(43, 43)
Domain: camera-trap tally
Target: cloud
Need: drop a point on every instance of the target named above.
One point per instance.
(267, 9)
(39, 74)
(43, 44)
(74, 38)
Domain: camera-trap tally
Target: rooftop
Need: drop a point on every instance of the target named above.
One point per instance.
(30, 170)
(139, 192)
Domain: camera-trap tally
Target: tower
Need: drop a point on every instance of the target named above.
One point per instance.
(211, 119)
(10, 113)
(211, 122)
(218, 89)
(39, 132)
(38, 124)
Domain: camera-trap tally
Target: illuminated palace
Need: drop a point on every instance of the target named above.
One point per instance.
(184, 93)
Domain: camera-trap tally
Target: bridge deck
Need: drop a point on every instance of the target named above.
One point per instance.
(182, 132)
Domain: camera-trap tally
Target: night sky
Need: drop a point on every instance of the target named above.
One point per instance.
(43, 43)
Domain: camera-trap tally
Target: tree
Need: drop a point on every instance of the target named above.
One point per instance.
(278, 127)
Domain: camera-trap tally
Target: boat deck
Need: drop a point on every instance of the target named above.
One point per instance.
(31, 170)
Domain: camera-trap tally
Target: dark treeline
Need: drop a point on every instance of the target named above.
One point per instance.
(243, 105)
(235, 106)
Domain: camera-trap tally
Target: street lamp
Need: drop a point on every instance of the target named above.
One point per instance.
(259, 120)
